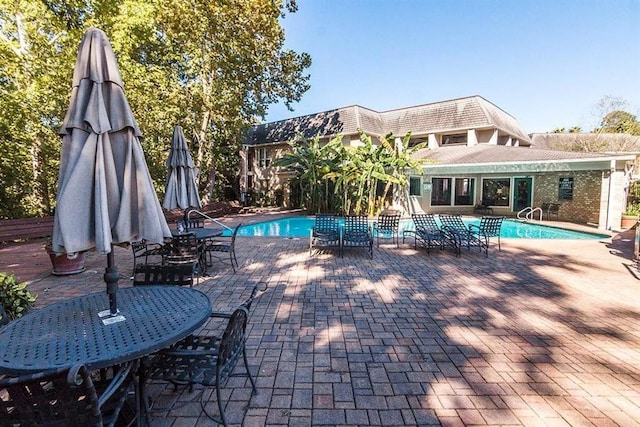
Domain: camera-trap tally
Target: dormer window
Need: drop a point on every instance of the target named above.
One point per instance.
(454, 139)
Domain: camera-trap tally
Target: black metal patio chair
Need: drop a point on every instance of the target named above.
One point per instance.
(206, 360)
(65, 397)
(387, 226)
(357, 233)
(175, 275)
(325, 232)
(217, 248)
(146, 251)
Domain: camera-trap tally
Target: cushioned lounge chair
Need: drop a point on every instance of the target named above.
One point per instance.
(325, 232)
(357, 234)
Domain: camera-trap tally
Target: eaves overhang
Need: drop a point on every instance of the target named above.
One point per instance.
(567, 165)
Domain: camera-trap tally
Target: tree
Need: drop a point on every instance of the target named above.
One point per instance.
(212, 67)
(620, 122)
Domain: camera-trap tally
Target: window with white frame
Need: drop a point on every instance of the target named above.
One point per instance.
(263, 157)
(415, 186)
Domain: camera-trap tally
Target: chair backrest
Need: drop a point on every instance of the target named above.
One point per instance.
(234, 235)
(60, 397)
(184, 244)
(389, 222)
(326, 223)
(425, 222)
(176, 275)
(183, 250)
(490, 226)
(356, 224)
(453, 222)
(232, 343)
(190, 223)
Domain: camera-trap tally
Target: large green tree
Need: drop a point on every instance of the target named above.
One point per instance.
(212, 67)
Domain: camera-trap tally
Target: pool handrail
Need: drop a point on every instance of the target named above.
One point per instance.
(208, 217)
(529, 213)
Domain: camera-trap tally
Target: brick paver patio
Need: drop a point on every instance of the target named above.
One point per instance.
(541, 333)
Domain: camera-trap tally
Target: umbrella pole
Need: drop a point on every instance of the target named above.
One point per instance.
(111, 277)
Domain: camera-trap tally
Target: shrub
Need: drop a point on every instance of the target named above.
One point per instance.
(14, 297)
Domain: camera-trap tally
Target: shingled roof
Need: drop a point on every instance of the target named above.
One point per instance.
(472, 112)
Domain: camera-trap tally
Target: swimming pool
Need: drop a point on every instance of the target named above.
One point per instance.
(299, 226)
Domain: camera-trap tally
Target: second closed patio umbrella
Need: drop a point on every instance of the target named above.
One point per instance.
(181, 189)
(105, 192)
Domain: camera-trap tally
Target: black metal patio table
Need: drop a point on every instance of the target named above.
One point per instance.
(78, 330)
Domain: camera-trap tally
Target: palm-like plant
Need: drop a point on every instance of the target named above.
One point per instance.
(338, 178)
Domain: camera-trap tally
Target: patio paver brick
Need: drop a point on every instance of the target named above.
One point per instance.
(540, 333)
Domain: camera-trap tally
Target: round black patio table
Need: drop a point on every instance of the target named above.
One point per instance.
(75, 331)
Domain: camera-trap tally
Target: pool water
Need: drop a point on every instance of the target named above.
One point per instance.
(301, 225)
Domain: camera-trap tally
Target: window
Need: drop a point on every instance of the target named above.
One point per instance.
(465, 189)
(440, 191)
(414, 186)
(458, 138)
(263, 158)
(495, 191)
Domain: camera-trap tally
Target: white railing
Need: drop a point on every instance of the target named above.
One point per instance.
(529, 213)
(204, 215)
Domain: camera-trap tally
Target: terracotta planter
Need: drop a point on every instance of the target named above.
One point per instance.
(628, 221)
(66, 264)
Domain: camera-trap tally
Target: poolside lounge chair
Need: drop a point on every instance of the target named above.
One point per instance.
(427, 232)
(387, 226)
(489, 227)
(458, 233)
(357, 233)
(325, 232)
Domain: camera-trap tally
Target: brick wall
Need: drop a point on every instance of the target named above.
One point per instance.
(585, 206)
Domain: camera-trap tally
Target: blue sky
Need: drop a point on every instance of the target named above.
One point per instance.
(546, 62)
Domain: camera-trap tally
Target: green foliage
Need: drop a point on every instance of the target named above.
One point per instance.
(356, 180)
(211, 67)
(633, 208)
(14, 297)
(620, 122)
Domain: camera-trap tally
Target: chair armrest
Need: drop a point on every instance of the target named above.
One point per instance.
(220, 315)
(115, 383)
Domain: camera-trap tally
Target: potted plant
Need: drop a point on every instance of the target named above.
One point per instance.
(630, 215)
(65, 264)
(14, 297)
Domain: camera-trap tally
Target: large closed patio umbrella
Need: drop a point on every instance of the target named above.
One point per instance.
(105, 192)
(181, 189)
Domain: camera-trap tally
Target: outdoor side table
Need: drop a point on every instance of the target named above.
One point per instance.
(71, 331)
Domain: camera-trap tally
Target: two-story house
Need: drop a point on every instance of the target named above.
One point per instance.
(477, 154)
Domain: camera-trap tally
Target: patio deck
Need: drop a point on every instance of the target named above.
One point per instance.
(541, 333)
